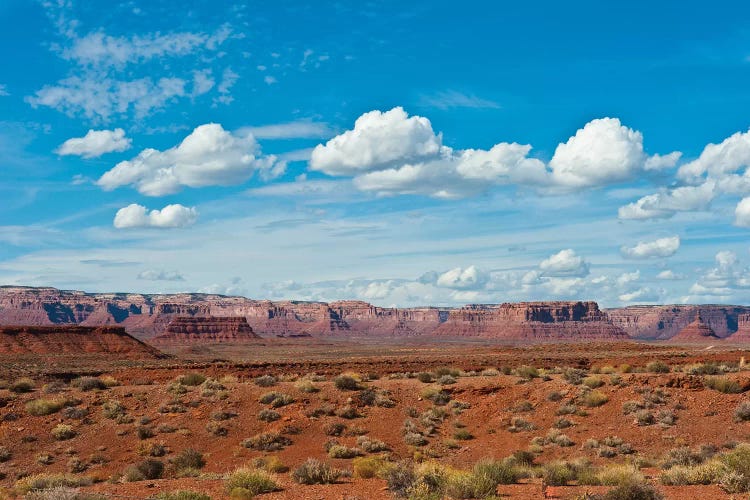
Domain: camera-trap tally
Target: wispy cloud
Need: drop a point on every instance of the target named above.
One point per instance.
(449, 99)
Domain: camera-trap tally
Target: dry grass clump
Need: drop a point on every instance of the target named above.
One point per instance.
(266, 415)
(62, 432)
(368, 467)
(38, 482)
(340, 451)
(658, 367)
(246, 483)
(518, 424)
(21, 385)
(306, 385)
(526, 372)
(88, 384)
(276, 399)
(267, 441)
(346, 382)
(313, 471)
(438, 396)
(723, 384)
(371, 445)
(265, 381)
(742, 412)
(182, 495)
(192, 379)
(41, 407)
(594, 398)
(147, 469)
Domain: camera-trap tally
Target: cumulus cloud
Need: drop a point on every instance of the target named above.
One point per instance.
(565, 263)
(171, 216)
(640, 295)
(662, 247)
(727, 281)
(718, 160)
(604, 152)
(668, 274)
(153, 275)
(742, 213)
(666, 203)
(95, 143)
(463, 279)
(209, 156)
(393, 153)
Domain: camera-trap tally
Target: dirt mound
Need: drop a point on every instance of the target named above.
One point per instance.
(72, 339)
(697, 331)
(187, 329)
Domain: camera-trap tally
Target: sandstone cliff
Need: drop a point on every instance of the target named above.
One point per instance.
(664, 322)
(697, 331)
(72, 339)
(186, 329)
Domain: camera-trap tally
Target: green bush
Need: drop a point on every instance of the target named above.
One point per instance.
(557, 473)
(21, 385)
(500, 471)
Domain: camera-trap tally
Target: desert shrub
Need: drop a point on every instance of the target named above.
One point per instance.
(272, 464)
(368, 467)
(629, 407)
(567, 409)
(276, 399)
(557, 473)
(147, 469)
(682, 475)
(266, 415)
(400, 478)
(519, 425)
(221, 416)
(265, 381)
(438, 396)
(446, 380)
(76, 465)
(554, 396)
(593, 382)
(305, 385)
(45, 459)
(334, 429)
(562, 423)
(48, 481)
(723, 384)
(267, 441)
(371, 445)
(182, 495)
(644, 417)
(594, 398)
(463, 484)
(500, 471)
(215, 428)
(88, 384)
(41, 407)
(75, 413)
(346, 383)
(523, 406)
(340, 451)
(527, 372)
(246, 483)
(188, 459)
(55, 387)
(424, 377)
(63, 432)
(348, 412)
(666, 418)
(173, 407)
(21, 385)
(5, 454)
(634, 491)
(556, 437)
(573, 376)
(737, 462)
(192, 379)
(314, 471)
(463, 435)
(617, 475)
(414, 439)
(113, 409)
(658, 367)
(742, 412)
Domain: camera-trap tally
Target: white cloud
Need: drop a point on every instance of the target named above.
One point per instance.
(153, 275)
(742, 213)
(727, 281)
(451, 99)
(565, 263)
(228, 79)
(718, 160)
(95, 143)
(4, 90)
(301, 129)
(603, 152)
(270, 80)
(209, 156)
(100, 98)
(666, 203)
(668, 274)
(378, 141)
(462, 279)
(641, 295)
(202, 82)
(662, 247)
(100, 49)
(171, 216)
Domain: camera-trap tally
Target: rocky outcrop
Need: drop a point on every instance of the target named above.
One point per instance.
(210, 329)
(664, 322)
(697, 331)
(742, 334)
(72, 339)
(532, 321)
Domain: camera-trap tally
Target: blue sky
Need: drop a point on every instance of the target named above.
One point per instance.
(435, 154)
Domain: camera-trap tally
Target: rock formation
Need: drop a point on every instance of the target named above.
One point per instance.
(187, 329)
(72, 339)
(697, 331)
(664, 322)
(743, 330)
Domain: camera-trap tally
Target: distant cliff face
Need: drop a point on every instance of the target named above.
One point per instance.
(205, 329)
(148, 316)
(664, 322)
(72, 339)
